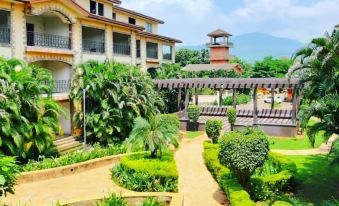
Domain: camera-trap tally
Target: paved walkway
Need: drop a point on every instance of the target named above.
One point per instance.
(195, 181)
(96, 182)
(324, 148)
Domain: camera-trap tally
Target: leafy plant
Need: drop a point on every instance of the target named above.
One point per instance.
(232, 117)
(75, 157)
(243, 152)
(240, 99)
(194, 112)
(113, 200)
(317, 67)
(145, 174)
(8, 172)
(28, 120)
(116, 94)
(270, 67)
(154, 135)
(213, 128)
(151, 202)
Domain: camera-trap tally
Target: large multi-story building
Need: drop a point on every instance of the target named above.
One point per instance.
(61, 34)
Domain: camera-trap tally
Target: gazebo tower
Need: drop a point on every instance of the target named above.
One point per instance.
(219, 46)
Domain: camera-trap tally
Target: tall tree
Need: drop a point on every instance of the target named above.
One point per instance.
(270, 67)
(187, 56)
(318, 68)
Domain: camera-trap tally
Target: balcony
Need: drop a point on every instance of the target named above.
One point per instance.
(218, 44)
(121, 48)
(61, 86)
(48, 40)
(5, 36)
(93, 46)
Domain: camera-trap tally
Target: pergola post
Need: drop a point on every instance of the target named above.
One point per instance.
(179, 99)
(255, 106)
(187, 94)
(272, 96)
(294, 105)
(234, 98)
(220, 97)
(196, 96)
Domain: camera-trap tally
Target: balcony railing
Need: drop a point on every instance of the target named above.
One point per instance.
(48, 40)
(124, 49)
(61, 86)
(152, 54)
(228, 44)
(5, 36)
(167, 56)
(93, 46)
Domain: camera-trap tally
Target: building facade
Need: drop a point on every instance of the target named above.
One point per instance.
(61, 34)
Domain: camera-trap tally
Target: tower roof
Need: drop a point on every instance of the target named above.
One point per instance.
(219, 33)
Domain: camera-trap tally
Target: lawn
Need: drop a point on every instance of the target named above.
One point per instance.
(317, 179)
(294, 143)
(192, 135)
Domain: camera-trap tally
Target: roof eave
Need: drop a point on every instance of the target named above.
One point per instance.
(157, 36)
(138, 14)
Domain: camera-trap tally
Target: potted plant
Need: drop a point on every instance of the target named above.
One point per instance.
(194, 112)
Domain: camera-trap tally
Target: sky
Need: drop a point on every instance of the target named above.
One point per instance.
(191, 20)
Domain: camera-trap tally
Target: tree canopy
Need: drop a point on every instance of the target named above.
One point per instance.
(271, 67)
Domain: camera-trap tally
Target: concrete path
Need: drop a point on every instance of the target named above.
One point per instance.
(195, 181)
(96, 182)
(324, 148)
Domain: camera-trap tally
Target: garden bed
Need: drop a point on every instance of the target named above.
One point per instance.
(144, 174)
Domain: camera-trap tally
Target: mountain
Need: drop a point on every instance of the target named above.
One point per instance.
(256, 46)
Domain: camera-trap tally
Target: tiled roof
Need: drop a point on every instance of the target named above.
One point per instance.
(219, 33)
(157, 36)
(209, 67)
(138, 14)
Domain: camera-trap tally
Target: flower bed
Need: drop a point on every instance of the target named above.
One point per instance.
(141, 173)
(75, 157)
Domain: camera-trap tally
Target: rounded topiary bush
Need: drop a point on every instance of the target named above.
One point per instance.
(243, 152)
(232, 117)
(193, 112)
(213, 128)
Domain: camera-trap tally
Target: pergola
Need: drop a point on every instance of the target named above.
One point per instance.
(220, 84)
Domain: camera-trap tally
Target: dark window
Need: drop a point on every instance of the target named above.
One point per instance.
(131, 20)
(100, 9)
(93, 8)
(114, 16)
(152, 50)
(30, 34)
(138, 49)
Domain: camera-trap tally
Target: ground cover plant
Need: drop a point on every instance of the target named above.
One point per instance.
(143, 173)
(28, 120)
(116, 94)
(75, 157)
(8, 173)
(115, 200)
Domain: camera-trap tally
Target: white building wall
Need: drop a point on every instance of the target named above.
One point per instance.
(5, 51)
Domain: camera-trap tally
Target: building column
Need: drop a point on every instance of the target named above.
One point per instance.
(143, 56)
(77, 42)
(18, 31)
(196, 96)
(255, 106)
(160, 53)
(133, 48)
(173, 53)
(109, 42)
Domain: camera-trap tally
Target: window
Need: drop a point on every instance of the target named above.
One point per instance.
(138, 49)
(100, 9)
(167, 52)
(131, 20)
(114, 16)
(93, 6)
(152, 50)
(149, 27)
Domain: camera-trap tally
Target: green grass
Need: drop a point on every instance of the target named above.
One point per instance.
(294, 143)
(317, 179)
(192, 135)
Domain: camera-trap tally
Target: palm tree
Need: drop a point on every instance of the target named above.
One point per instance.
(28, 120)
(318, 68)
(154, 135)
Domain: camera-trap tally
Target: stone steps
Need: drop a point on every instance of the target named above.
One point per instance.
(68, 144)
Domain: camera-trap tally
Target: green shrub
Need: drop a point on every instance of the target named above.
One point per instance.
(232, 116)
(151, 202)
(8, 172)
(75, 157)
(241, 99)
(113, 200)
(194, 112)
(171, 119)
(213, 128)
(235, 192)
(144, 174)
(243, 152)
(273, 179)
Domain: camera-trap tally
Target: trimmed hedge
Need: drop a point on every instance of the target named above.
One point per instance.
(143, 174)
(213, 128)
(267, 186)
(193, 112)
(235, 192)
